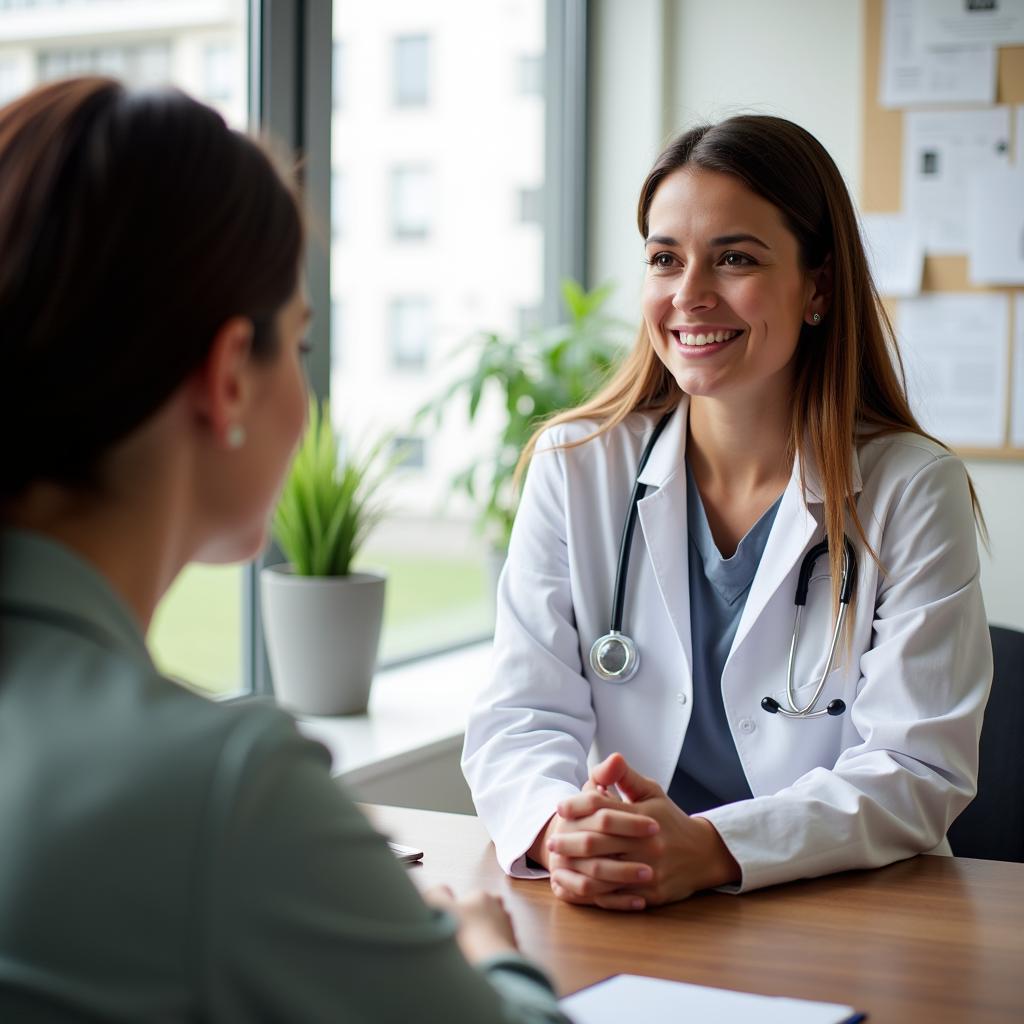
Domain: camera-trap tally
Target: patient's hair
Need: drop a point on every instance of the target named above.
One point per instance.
(132, 226)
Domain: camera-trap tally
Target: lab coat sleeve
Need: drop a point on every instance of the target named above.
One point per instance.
(916, 719)
(532, 724)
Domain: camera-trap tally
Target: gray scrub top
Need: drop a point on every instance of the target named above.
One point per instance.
(165, 857)
(709, 773)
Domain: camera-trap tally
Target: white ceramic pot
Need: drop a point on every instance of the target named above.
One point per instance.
(322, 637)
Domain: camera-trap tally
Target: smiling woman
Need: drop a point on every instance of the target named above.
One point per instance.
(759, 422)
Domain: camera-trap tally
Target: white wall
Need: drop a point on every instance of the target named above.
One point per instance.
(661, 65)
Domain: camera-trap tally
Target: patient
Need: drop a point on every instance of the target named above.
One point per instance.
(165, 857)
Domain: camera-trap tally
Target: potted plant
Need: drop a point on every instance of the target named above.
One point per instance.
(534, 375)
(322, 620)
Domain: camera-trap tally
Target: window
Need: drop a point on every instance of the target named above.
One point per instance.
(411, 202)
(531, 208)
(409, 451)
(436, 147)
(530, 75)
(337, 203)
(138, 64)
(410, 333)
(338, 75)
(528, 319)
(337, 333)
(412, 70)
(220, 66)
(10, 80)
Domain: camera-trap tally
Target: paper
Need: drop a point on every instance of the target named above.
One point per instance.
(954, 349)
(956, 22)
(1017, 423)
(912, 75)
(895, 252)
(627, 997)
(995, 232)
(940, 151)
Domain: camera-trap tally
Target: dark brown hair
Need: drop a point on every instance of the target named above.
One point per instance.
(848, 374)
(132, 225)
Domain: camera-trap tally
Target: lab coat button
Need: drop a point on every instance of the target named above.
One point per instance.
(747, 725)
(681, 697)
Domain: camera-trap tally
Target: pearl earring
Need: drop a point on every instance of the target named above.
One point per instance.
(236, 436)
(816, 317)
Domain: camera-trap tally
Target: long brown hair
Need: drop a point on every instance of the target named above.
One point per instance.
(847, 383)
(132, 225)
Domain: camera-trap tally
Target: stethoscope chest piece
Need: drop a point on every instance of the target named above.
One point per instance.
(614, 657)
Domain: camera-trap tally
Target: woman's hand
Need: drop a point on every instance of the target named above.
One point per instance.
(591, 853)
(602, 835)
(485, 928)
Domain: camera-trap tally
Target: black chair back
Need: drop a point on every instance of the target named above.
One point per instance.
(992, 827)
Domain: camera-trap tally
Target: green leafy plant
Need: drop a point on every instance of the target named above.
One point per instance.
(328, 505)
(536, 374)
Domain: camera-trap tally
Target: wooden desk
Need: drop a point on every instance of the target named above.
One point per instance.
(932, 939)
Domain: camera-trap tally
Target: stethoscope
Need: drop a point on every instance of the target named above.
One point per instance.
(614, 657)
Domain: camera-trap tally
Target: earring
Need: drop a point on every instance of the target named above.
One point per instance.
(236, 436)
(816, 317)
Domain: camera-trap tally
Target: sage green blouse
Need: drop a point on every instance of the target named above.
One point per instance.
(167, 858)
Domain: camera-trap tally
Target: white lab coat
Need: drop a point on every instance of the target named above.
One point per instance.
(881, 782)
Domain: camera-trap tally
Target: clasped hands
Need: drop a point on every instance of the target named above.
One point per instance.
(622, 844)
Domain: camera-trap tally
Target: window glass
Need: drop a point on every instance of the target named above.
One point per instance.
(437, 137)
(412, 202)
(530, 74)
(196, 634)
(410, 332)
(338, 76)
(412, 70)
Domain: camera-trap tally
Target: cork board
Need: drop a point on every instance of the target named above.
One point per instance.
(881, 181)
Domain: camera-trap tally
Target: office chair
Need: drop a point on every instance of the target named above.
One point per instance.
(992, 826)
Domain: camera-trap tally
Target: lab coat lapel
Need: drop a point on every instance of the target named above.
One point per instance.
(662, 515)
(795, 527)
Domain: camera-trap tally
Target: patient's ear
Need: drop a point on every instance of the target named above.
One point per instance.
(220, 388)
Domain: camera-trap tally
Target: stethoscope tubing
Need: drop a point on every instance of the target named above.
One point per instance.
(615, 658)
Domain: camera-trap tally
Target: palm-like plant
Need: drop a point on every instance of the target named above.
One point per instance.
(537, 374)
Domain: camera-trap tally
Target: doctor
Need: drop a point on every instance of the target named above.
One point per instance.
(761, 412)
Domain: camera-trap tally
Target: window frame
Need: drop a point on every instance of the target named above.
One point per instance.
(291, 50)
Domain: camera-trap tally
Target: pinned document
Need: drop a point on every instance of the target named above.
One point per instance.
(895, 251)
(995, 235)
(628, 997)
(911, 74)
(954, 348)
(941, 150)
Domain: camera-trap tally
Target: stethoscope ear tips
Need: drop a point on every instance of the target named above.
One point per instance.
(770, 704)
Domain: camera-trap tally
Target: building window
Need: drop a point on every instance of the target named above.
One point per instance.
(411, 201)
(219, 70)
(531, 206)
(338, 76)
(410, 333)
(409, 452)
(337, 332)
(528, 319)
(530, 75)
(412, 71)
(337, 204)
(10, 80)
(142, 64)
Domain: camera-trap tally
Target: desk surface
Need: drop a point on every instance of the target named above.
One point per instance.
(936, 939)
